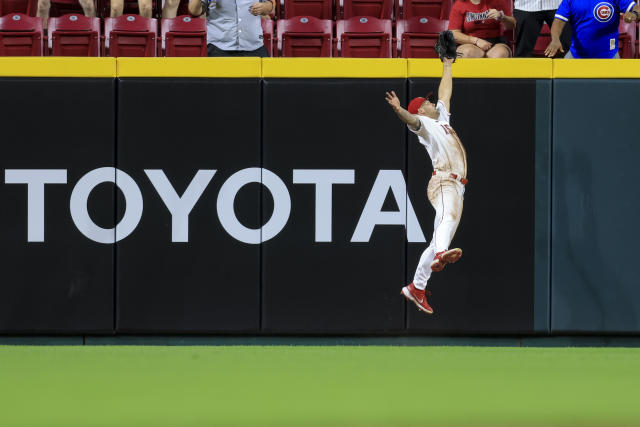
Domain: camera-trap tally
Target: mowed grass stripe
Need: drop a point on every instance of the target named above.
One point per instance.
(377, 386)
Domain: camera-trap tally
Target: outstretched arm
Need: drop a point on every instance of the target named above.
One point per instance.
(403, 114)
(446, 83)
(555, 45)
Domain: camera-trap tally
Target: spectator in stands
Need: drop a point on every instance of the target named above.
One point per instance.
(595, 27)
(44, 6)
(477, 26)
(145, 8)
(531, 14)
(233, 27)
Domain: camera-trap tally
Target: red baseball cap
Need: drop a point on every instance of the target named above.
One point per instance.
(416, 103)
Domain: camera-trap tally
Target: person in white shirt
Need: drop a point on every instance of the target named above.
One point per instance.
(446, 187)
(531, 14)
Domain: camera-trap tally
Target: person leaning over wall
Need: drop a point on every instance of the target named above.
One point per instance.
(44, 6)
(233, 26)
(594, 27)
(531, 14)
(478, 27)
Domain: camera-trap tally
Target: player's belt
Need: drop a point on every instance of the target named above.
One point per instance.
(452, 175)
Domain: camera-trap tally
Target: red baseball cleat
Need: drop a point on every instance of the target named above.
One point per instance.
(445, 257)
(418, 297)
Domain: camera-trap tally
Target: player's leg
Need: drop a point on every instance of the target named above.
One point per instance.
(499, 50)
(527, 32)
(145, 8)
(450, 206)
(470, 51)
(170, 8)
(43, 11)
(117, 6)
(88, 7)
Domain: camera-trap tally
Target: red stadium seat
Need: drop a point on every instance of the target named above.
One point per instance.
(381, 9)
(267, 35)
(406, 9)
(20, 35)
(74, 35)
(418, 35)
(364, 37)
(28, 7)
(184, 36)
(130, 35)
(627, 39)
(305, 36)
(321, 9)
(542, 42)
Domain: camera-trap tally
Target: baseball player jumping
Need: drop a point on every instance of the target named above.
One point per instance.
(446, 187)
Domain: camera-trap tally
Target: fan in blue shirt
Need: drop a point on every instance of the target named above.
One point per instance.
(594, 25)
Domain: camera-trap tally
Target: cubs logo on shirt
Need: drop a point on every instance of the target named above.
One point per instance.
(603, 12)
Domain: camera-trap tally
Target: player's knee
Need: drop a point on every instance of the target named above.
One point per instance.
(499, 51)
(470, 51)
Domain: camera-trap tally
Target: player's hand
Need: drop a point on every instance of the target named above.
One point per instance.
(553, 48)
(447, 61)
(495, 14)
(261, 8)
(393, 100)
(483, 44)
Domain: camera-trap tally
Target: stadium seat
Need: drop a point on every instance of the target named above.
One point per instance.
(267, 35)
(28, 7)
(321, 9)
(406, 9)
(418, 35)
(20, 35)
(130, 35)
(184, 36)
(305, 36)
(364, 37)
(74, 35)
(627, 39)
(381, 9)
(544, 38)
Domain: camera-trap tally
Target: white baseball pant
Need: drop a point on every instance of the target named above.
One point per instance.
(446, 196)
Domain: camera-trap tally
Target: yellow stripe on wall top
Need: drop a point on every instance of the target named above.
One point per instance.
(596, 68)
(56, 66)
(506, 68)
(335, 67)
(189, 67)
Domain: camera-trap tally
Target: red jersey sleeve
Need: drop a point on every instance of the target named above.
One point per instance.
(456, 17)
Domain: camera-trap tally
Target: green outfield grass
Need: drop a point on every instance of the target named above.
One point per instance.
(323, 386)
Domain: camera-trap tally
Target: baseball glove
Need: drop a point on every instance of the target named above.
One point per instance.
(446, 46)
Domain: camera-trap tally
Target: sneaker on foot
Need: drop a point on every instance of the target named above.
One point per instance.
(445, 257)
(418, 297)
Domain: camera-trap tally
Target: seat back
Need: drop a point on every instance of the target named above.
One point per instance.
(184, 36)
(130, 35)
(20, 35)
(364, 37)
(267, 35)
(543, 40)
(627, 39)
(417, 36)
(381, 9)
(74, 35)
(321, 9)
(305, 36)
(406, 9)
